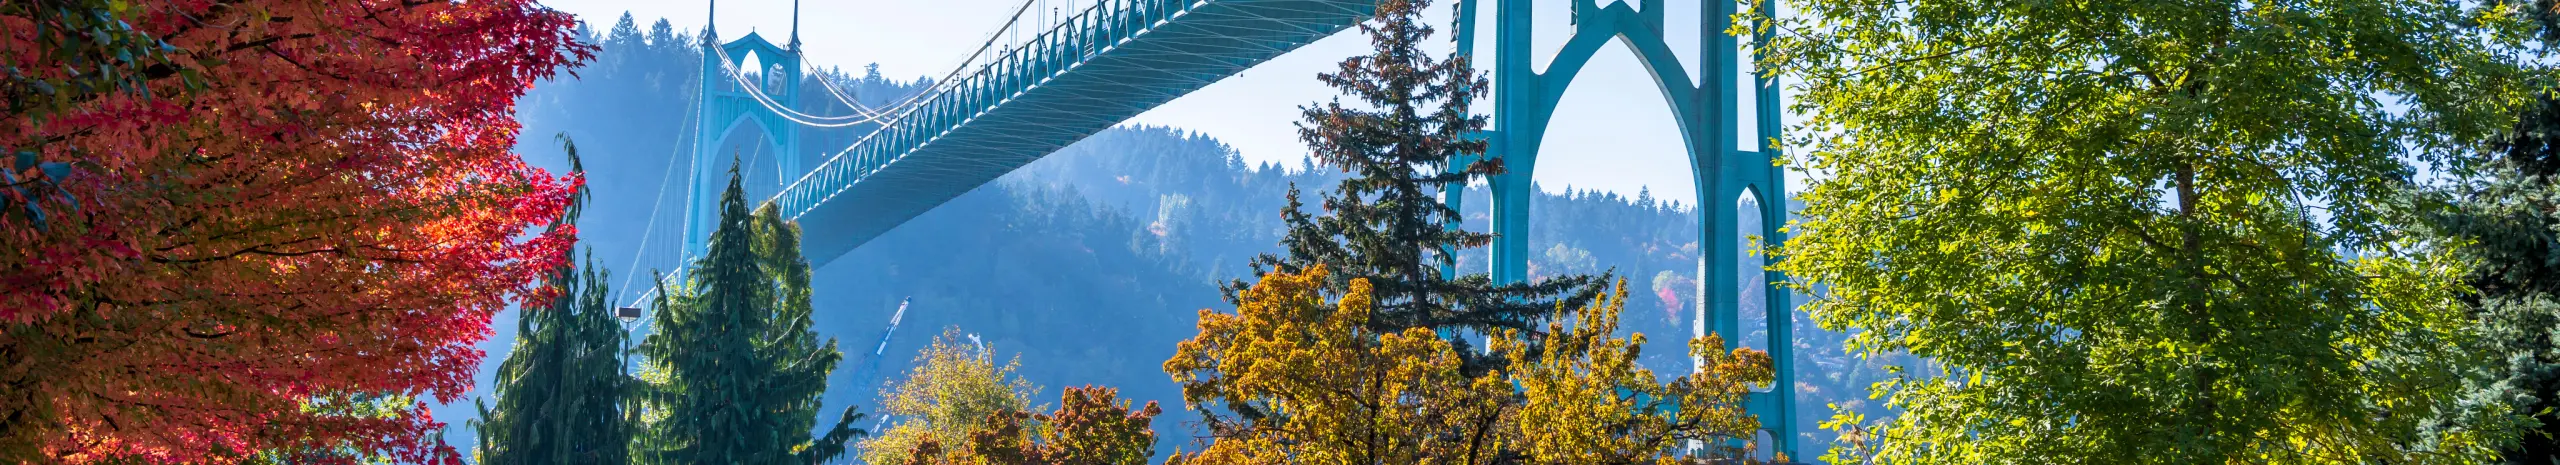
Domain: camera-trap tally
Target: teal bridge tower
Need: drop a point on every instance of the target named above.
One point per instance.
(1114, 59)
(731, 99)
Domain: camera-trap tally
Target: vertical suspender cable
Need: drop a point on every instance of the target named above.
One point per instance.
(690, 108)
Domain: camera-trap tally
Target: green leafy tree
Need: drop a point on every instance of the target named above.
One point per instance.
(735, 371)
(2144, 232)
(562, 392)
(1409, 117)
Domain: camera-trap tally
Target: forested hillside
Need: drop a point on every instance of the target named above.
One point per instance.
(1090, 264)
(2101, 232)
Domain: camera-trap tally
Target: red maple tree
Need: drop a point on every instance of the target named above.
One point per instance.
(275, 211)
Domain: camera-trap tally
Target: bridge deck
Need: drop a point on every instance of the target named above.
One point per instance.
(1101, 67)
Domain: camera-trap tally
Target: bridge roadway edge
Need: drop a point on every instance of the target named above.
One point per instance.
(1210, 41)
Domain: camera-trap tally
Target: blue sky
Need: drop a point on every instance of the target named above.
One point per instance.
(1612, 131)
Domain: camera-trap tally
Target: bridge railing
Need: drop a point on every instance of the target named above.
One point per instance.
(1010, 73)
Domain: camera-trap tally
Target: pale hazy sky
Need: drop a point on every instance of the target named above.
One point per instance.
(1611, 132)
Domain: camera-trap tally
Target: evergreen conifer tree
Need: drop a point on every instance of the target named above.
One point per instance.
(561, 389)
(739, 371)
(2508, 219)
(1385, 222)
(2510, 222)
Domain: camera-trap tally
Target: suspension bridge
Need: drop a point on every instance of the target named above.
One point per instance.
(1016, 99)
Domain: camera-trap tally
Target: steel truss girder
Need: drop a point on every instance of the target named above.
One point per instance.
(1096, 69)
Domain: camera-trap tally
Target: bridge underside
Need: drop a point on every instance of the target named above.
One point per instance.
(1103, 67)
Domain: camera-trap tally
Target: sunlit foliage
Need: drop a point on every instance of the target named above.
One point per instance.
(219, 212)
(1296, 377)
(952, 391)
(2144, 232)
(1583, 398)
(738, 372)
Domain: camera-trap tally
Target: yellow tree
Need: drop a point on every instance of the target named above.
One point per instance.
(953, 390)
(1311, 383)
(1304, 381)
(1091, 427)
(1584, 400)
(961, 408)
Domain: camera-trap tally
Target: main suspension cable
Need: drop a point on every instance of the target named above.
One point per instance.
(939, 85)
(693, 104)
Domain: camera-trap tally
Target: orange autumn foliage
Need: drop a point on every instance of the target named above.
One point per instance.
(304, 200)
(1308, 381)
(1294, 376)
(1092, 426)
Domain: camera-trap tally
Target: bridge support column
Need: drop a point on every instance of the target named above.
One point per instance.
(1709, 111)
(727, 104)
(702, 198)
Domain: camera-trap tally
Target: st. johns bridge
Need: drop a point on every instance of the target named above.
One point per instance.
(1013, 101)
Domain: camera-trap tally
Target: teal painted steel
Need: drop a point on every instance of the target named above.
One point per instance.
(726, 105)
(1708, 113)
(1119, 58)
(1100, 67)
